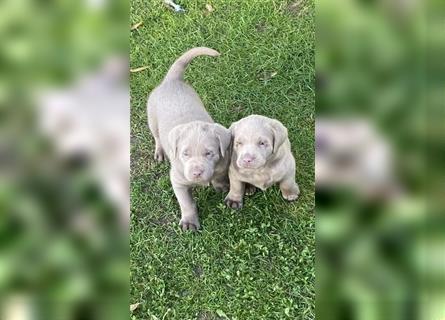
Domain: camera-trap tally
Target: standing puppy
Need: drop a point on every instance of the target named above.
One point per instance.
(261, 157)
(184, 132)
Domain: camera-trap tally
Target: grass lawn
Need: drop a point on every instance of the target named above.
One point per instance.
(256, 263)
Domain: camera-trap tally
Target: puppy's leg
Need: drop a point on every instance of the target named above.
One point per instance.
(221, 183)
(289, 188)
(159, 152)
(234, 199)
(189, 213)
(250, 189)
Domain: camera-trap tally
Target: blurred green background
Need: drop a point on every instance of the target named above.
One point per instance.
(63, 252)
(384, 258)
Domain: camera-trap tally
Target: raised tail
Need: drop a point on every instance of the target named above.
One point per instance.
(176, 71)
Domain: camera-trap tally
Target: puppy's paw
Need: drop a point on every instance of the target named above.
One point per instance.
(291, 195)
(249, 190)
(159, 155)
(221, 187)
(233, 203)
(189, 224)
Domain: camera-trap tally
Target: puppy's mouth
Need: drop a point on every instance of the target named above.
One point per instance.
(202, 180)
(248, 165)
(199, 180)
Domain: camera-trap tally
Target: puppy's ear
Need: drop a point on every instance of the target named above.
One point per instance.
(173, 139)
(224, 137)
(279, 133)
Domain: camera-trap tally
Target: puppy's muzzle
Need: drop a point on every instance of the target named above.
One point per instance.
(247, 161)
(197, 172)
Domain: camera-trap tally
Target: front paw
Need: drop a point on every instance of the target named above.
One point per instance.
(249, 190)
(189, 224)
(159, 155)
(221, 187)
(233, 203)
(291, 195)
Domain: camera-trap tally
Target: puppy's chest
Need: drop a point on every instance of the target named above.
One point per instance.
(262, 180)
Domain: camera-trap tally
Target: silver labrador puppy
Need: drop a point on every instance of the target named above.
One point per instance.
(184, 132)
(261, 157)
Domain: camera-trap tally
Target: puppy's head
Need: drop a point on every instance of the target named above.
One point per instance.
(199, 146)
(256, 139)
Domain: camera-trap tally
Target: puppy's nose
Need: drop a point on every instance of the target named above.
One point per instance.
(248, 159)
(197, 172)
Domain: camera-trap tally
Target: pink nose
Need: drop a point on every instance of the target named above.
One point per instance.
(248, 159)
(197, 173)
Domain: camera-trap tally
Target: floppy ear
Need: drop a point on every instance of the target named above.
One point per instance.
(173, 138)
(224, 138)
(279, 133)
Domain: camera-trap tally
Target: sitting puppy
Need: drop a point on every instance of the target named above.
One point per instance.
(261, 157)
(184, 132)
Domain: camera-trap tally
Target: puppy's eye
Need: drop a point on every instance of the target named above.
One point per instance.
(239, 143)
(262, 143)
(209, 154)
(185, 153)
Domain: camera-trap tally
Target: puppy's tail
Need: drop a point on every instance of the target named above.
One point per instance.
(176, 71)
